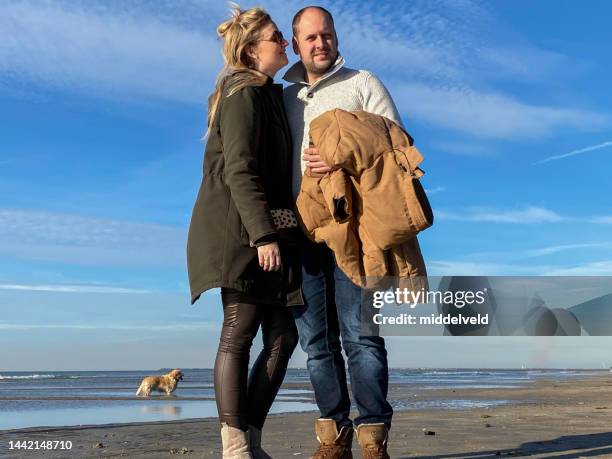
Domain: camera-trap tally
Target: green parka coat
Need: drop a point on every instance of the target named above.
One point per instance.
(247, 172)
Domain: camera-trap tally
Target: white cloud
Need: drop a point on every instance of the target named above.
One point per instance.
(525, 62)
(443, 61)
(169, 50)
(562, 248)
(475, 268)
(597, 268)
(489, 114)
(464, 148)
(85, 47)
(468, 268)
(437, 189)
(513, 255)
(424, 41)
(606, 220)
(575, 152)
(71, 288)
(176, 327)
(89, 241)
(527, 215)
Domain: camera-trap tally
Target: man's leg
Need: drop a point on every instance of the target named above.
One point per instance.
(317, 324)
(367, 356)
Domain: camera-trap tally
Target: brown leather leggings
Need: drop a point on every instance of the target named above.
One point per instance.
(241, 402)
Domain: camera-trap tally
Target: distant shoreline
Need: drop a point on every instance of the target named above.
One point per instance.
(570, 416)
(160, 370)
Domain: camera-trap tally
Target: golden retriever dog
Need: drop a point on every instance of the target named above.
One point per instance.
(166, 383)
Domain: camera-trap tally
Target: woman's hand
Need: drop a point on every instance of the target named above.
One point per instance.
(269, 256)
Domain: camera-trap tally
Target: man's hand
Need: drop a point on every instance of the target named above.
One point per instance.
(315, 165)
(269, 256)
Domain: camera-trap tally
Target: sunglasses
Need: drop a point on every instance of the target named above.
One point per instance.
(277, 37)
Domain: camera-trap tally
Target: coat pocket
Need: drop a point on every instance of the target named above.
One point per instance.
(235, 226)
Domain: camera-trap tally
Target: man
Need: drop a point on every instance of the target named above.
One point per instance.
(321, 82)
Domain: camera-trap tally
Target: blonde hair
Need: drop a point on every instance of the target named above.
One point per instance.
(238, 34)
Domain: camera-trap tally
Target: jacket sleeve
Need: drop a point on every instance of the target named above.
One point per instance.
(377, 100)
(337, 194)
(240, 126)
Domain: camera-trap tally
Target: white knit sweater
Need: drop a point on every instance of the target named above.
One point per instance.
(341, 87)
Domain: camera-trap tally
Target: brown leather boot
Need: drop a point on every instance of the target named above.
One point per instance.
(373, 441)
(333, 445)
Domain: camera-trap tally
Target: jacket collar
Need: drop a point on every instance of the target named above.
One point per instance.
(296, 73)
(269, 80)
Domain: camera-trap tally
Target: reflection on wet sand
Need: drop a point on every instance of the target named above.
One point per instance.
(170, 410)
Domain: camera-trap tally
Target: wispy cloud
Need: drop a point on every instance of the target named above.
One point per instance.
(437, 189)
(471, 268)
(525, 62)
(444, 62)
(563, 248)
(176, 327)
(71, 288)
(526, 215)
(606, 220)
(490, 114)
(464, 148)
(89, 241)
(597, 268)
(509, 258)
(170, 51)
(113, 48)
(575, 152)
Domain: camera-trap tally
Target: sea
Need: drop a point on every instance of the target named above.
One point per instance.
(76, 398)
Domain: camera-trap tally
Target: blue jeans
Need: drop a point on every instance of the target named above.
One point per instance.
(333, 313)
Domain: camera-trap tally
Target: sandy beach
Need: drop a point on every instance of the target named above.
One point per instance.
(545, 419)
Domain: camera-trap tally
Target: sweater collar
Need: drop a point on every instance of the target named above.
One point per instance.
(296, 73)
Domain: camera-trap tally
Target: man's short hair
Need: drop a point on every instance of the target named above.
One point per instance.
(298, 16)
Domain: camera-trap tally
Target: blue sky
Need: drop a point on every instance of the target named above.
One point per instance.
(102, 107)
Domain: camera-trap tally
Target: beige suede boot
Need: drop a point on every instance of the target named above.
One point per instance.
(255, 441)
(235, 443)
(333, 444)
(373, 440)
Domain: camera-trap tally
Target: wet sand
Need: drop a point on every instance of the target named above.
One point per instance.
(546, 419)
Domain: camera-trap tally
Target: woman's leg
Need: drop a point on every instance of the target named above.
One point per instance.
(240, 324)
(279, 340)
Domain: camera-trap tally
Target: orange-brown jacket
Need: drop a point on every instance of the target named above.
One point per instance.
(369, 209)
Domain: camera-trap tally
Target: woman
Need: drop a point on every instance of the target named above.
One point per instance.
(237, 240)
